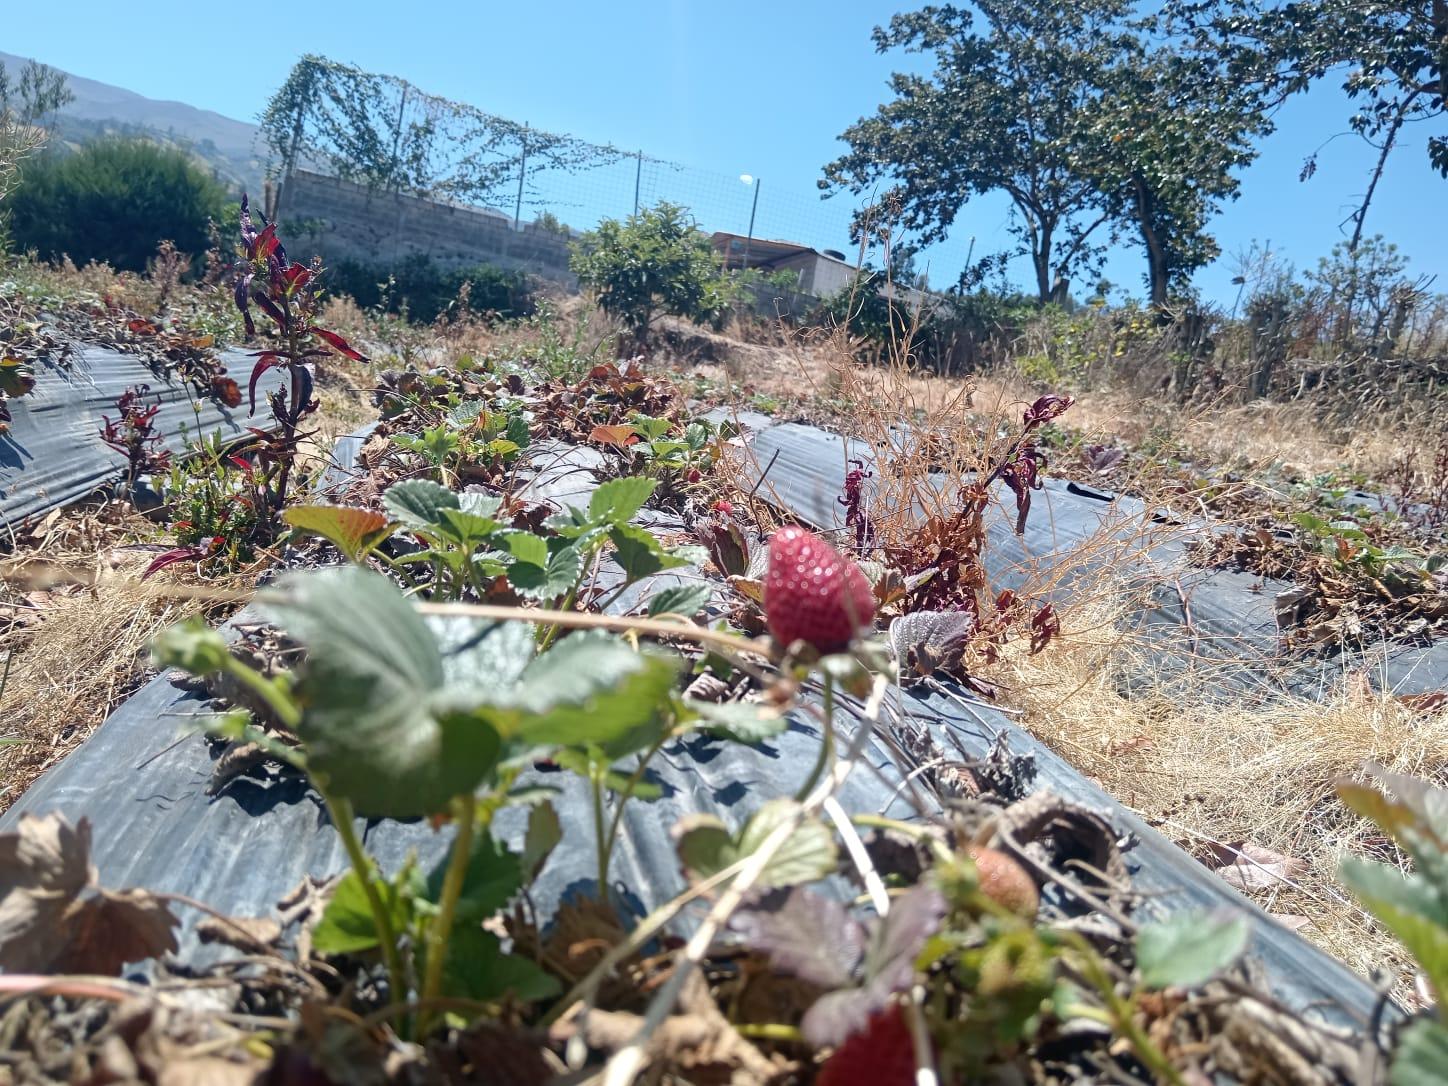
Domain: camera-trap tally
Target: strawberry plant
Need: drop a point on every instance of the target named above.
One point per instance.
(1414, 907)
(399, 719)
(469, 551)
(676, 454)
(471, 441)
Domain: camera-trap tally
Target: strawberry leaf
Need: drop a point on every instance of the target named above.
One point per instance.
(380, 725)
(493, 876)
(680, 599)
(549, 580)
(806, 935)
(617, 500)
(640, 553)
(1188, 949)
(354, 532)
(418, 503)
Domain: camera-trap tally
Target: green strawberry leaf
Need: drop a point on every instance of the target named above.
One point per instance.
(476, 968)
(1188, 949)
(379, 726)
(680, 599)
(418, 503)
(354, 532)
(525, 546)
(742, 721)
(617, 500)
(347, 925)
(640, 553)
(550, 580)
(589, 689)
(1421, 1058)
(493, 876)
(545, 831)
(1411, 907)
(706, 847)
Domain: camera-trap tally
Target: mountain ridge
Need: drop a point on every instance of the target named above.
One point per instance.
(230, 148)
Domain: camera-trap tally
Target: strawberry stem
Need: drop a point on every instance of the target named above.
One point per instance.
(827, 743)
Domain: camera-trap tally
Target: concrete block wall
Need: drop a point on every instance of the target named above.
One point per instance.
(350, 221)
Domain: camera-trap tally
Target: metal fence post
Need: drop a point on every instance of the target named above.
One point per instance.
(749, 238)
(522, 173)
(638, 176)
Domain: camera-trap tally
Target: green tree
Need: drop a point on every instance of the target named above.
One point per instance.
(1164, 142)
(38, 92)
(654, 263)
(1368, 297)
(1003, 111)
(113, 201)
(1089, 119)
(1391, 57)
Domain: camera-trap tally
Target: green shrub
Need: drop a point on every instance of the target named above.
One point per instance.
(113, 201)
(420, 289)
(654, 263)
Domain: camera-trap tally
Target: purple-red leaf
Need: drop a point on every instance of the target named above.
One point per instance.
(171, 557)
(889, 967)
(271, 309)
(1046, 408)
(266, 242)
(338, 344)
(243, 291)
(1102, 459)
(296, 276)
(264, 363)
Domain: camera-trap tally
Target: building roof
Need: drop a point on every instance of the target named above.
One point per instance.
(763, 253)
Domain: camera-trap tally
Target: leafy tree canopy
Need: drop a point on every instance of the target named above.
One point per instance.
(36, 93)
(1391, 57)
(1084, 116)
(113, 201)
(656, 262)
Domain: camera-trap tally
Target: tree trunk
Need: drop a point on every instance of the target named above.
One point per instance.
(1158, 265)
(1041, 259)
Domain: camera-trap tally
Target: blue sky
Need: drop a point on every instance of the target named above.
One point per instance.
(743, 87)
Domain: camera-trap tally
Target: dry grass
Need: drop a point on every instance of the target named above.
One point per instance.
(1204, 770)
(82, 650)
(1302, 438)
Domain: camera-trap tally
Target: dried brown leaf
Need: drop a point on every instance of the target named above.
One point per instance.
(252, 934)
(55, 918)
(1252, 867)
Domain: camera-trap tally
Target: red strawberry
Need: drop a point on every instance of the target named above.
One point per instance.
(881, 1054)
(813, 593)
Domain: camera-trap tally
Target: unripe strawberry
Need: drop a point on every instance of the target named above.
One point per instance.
(813, 593)
(881, 1054)
(1005, 882)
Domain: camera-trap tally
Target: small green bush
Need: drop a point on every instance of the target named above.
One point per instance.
(419, 288)
(113, 201)
(654, 263)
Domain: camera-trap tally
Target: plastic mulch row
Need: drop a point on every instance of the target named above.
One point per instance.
(154, 826)
(53, 454)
